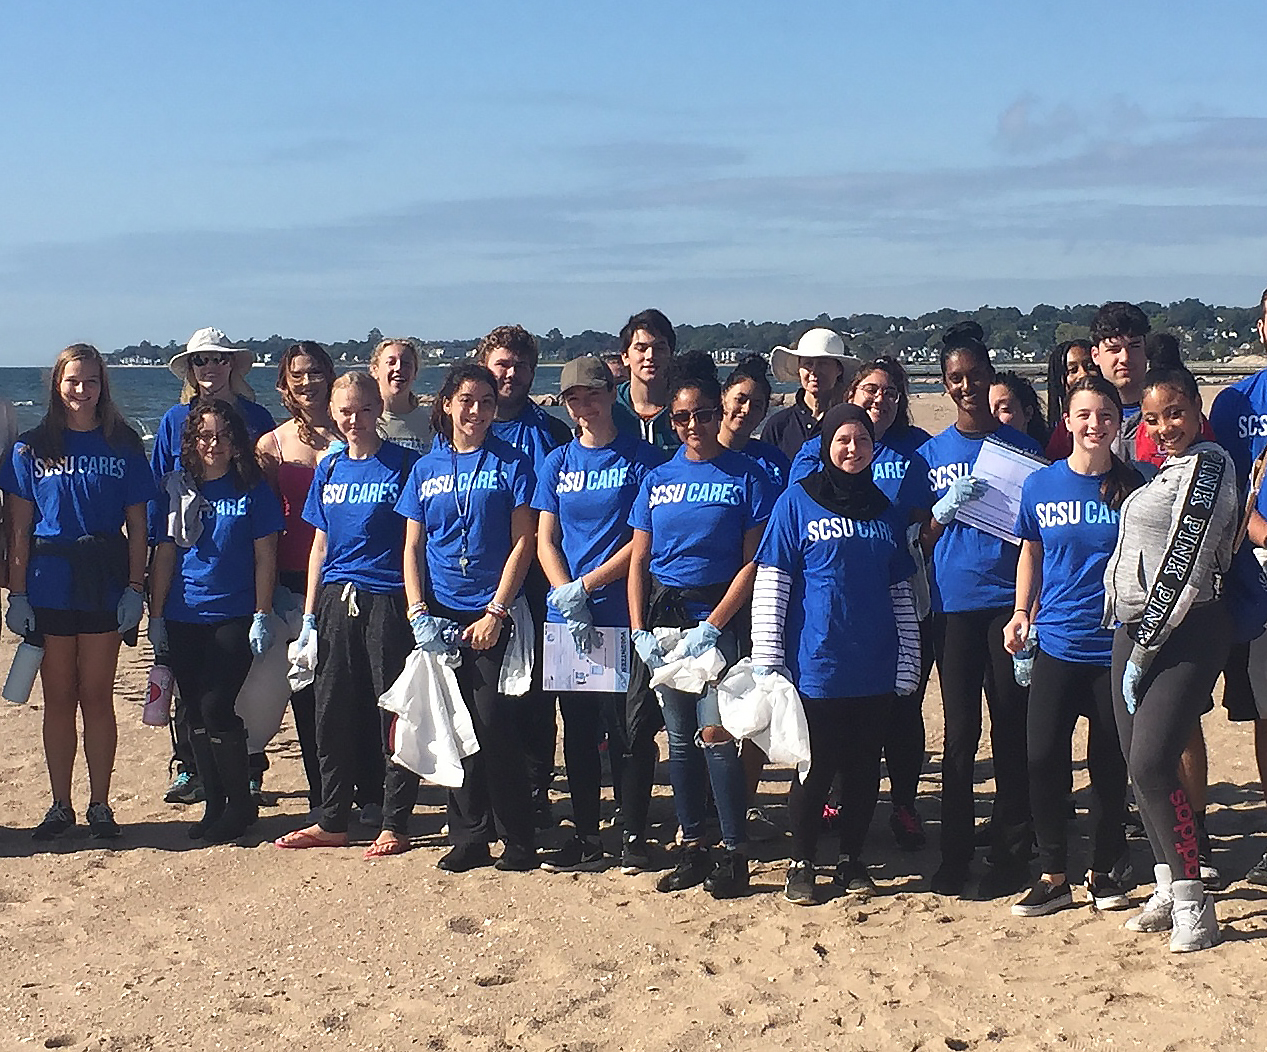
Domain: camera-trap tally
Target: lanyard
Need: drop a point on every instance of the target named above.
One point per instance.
(463, 560)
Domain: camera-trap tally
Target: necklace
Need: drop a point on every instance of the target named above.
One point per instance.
(463, 560)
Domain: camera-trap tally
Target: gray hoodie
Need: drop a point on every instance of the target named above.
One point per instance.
(1174, 544)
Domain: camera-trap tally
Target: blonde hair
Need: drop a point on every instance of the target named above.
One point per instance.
(408, 344)
(363, 383)
(237, 382)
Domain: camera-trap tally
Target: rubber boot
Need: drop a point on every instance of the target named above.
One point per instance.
(213, 785)
(240, 812)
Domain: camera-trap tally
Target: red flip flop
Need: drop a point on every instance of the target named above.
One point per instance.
(387, 848)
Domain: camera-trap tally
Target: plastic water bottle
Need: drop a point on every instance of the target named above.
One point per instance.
(1023, 660)
(26, 663)
(158, 700)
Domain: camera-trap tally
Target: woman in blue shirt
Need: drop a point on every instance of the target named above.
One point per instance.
(469, 537)
(355, 606)
(832, 571)
(212, 591)
(697, 522)
(74, 483)
(1068, 525)
(583, 497)
(973, 585)
(745, 400)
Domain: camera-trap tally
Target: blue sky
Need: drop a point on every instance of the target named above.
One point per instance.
(317, 169)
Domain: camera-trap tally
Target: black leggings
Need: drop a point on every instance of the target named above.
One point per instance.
(534, 711)
(210, 662)
(584, 717)
(970, 656)
(358, 657)
(495, 800)
(845, 739)
(644, 719)
(904, 740)
(1061, 692)
(1171, 697)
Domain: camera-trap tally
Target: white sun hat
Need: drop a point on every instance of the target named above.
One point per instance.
(785, 362)
(211, 341)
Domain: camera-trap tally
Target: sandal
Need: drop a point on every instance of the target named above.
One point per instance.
(301, 838)
(386, 848)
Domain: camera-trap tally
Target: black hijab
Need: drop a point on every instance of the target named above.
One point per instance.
(841, 493)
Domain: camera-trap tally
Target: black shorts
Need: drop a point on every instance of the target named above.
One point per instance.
(1246, 666)
(50, 622)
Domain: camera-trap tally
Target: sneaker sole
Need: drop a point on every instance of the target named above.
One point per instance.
(595, 866)
(1111, 902)
(801, 900)
(1043, 909)
(1194, 947)
(1135, 925)
(50, 835)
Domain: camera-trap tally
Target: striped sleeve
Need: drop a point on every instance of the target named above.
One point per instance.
(769, 611)
(908, 646)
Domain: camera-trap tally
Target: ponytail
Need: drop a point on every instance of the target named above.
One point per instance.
(1119, 482)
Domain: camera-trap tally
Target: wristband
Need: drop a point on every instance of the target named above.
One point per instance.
(497, 610)
(416, 609)
(1021, 610)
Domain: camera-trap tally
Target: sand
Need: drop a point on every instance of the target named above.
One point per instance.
(157, 944)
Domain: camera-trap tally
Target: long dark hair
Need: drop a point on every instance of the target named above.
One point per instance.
(46, 439)
(1121, 477)
(244, 469)
(1057, 374)
(751, 367)
(441, 422)
(694, 369)
(318, 354)
(1023, 390)
(891, 368)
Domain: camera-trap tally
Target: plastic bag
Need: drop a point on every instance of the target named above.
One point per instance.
(263, 698)
(689, 674)
(767, 710)
(433, 731)
(516, 671)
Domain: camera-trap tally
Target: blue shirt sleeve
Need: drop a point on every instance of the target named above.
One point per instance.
(778, 546)
(314, 510)
(761, 498)
(640, 513)
(546, 496)
(266, 511)
(522, 482)
(1026, 520)
(141, 487)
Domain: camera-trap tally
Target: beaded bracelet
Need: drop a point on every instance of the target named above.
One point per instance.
(497, 610)
(416, 609)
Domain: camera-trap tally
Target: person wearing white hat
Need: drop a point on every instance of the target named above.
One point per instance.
(821, 365)
(210, 367)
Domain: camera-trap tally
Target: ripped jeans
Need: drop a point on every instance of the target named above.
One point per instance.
(690, 762)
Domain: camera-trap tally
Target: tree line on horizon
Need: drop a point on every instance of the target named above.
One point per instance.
(1204, 332)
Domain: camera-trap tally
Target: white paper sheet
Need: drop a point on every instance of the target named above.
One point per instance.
(1004, 469)
(605, 668)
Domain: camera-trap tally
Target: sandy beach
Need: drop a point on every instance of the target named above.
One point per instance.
(153, 943)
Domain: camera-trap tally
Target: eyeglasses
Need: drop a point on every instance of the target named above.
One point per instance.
(210, 438)
(876, 391)
(683, 417)
(210, 359)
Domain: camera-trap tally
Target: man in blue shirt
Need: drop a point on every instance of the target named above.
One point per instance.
(509, 352)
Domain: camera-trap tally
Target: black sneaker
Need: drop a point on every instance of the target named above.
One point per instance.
(634, 857)
(692, 869)
(729, 879)
(907, 827)
(186, 788)
(1043, 898)
(949, 879)
(800, 884)
(577, 855)
(465, 857)
(1258, 872)
(101, 823)
(517, 860)
(1003, 880)
(853, 878)
(57, 820)
(1107, 893)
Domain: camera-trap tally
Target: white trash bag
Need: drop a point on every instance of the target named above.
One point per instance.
(263, 698)
(433, 731)
(766, 710)
(689, 674)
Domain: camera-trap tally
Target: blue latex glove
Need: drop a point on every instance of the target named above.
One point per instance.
(261, 635)
(702, 637)
(1131, 677)
(20, 617)
(430, 632)
(309, 629)
(156, 633)
(131, 606)
(584, 635)
(962, 490)
(572, 601)
(648, 648)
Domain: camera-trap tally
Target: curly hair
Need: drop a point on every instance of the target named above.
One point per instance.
(514, 338)
(441, 422)
(1117, 319)
(694, 369)
(318, 354)
(243, 467)
(891, 368)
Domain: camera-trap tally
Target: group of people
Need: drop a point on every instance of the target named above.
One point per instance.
(833, 552)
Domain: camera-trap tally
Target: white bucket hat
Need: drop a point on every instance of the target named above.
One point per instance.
(211, 341)
(785, 362)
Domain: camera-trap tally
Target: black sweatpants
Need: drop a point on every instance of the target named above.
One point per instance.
(584, 719)
(904, 749)
(210, 662)
(1062, 691)
(534, 711)
(303, 706)
(644, 719)
(358, 657)
(846, 736)
(970, 656)
(1171, 697)
(495, 800)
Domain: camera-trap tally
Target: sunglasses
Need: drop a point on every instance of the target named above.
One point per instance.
(200, 360)
(683, 417)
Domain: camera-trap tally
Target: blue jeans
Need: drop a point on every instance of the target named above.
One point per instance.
(690, 763)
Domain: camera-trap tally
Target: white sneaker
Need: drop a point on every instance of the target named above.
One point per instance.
(1194, 926)
(1155, 916)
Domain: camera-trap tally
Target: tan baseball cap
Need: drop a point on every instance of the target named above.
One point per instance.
(586, 371)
